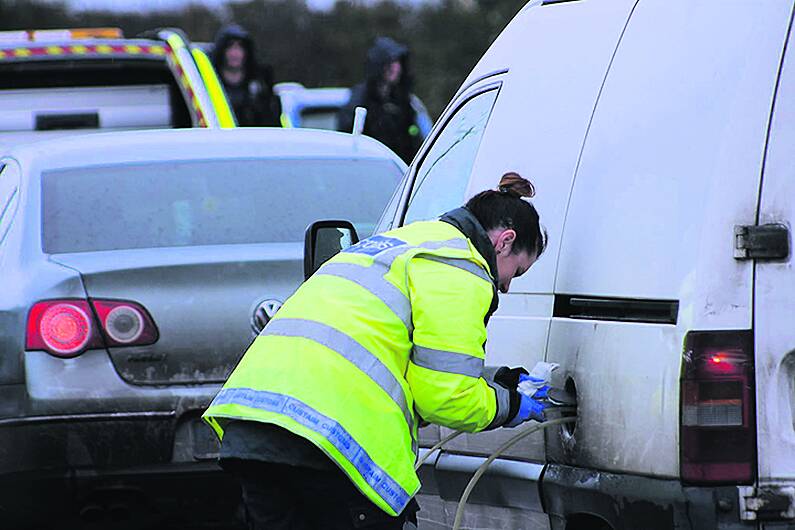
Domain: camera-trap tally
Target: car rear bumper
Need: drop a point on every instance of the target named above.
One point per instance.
(628, 502)
(89, 465)
(89, 441)
(195, 495)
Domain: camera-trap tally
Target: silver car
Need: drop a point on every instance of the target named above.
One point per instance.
(135, 268)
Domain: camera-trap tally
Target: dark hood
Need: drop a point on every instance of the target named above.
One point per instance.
(384, 51)
(222, 39)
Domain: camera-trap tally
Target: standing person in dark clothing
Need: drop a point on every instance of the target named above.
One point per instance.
(386, 94)
(248, 86)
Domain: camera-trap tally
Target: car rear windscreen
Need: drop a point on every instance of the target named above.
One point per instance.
(191, 203)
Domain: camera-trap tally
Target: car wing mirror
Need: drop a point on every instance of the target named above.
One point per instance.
(324, 240)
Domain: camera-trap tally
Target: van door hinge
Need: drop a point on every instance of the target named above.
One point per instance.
(769, 241)
(767, 503)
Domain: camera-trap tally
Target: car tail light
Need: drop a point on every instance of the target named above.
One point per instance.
(64, 328)
(125, 323)
(718, 408)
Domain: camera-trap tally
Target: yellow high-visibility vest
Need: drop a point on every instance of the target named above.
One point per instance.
(386, 332)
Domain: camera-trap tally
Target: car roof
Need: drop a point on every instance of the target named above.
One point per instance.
(197, 144)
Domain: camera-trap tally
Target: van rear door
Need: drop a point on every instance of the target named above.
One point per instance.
(774, 305)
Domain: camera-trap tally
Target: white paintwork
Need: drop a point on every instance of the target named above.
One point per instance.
(775, 298)
(671, 164)
(643, 161)
(541, 115)
(536, 128)
(138, 106)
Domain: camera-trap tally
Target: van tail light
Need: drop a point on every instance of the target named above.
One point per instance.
(718, 408)
(66, 328)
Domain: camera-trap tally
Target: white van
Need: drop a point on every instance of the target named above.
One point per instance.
(660, 136)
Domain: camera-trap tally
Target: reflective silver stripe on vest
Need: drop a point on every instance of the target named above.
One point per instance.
(372, 279)
(351, 350)
(458, 263)
(388, 257)
(383, 484)
(447, 361)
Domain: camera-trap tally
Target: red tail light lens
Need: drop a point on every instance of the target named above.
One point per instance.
(64, 328)
(718, 408)
(67, 328)
(125, 323)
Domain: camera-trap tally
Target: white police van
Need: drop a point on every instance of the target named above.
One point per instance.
(660, 136)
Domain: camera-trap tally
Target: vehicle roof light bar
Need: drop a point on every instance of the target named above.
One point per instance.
(50, 35)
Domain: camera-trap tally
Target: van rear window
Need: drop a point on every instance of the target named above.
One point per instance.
(218, 202)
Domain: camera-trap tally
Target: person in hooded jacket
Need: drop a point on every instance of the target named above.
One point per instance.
(386, 94)
(248, 86)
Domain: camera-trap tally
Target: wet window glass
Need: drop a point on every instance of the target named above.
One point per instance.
(192, 203)
(443, 174)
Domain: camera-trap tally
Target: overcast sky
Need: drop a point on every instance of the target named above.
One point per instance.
(154, 5)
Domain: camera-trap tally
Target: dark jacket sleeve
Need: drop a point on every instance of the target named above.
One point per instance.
(268, 105)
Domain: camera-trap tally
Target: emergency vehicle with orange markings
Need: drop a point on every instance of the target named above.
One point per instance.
(53, 82)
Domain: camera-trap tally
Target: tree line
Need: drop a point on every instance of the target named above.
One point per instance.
(316, 48)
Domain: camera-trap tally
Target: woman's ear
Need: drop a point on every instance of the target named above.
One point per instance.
(505, 241)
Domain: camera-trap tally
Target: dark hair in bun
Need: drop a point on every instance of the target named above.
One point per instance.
(505, 208)
(513, 184)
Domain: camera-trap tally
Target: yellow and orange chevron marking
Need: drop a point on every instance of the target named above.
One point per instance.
(182, 77)
(23, 52)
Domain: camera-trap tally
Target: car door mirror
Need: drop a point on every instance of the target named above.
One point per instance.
(325, 239)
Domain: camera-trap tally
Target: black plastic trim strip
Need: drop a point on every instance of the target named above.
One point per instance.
(616, 309)
(49, 122)
(551, 2)
(479, 79)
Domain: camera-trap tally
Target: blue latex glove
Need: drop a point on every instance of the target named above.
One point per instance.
(530, 408)
(541, 393)
(540, 385)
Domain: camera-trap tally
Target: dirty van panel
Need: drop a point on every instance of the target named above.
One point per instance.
(540, 137)
(671, 164)
(539, 122)
(673, 159)
(774, 302)
(537, 129)
(627, 397)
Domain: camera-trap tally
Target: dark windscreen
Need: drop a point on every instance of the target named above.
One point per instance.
(168, 204)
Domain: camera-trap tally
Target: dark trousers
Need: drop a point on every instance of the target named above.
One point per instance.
(283, 497)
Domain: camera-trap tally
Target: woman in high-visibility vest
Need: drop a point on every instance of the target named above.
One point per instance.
(320, 418)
